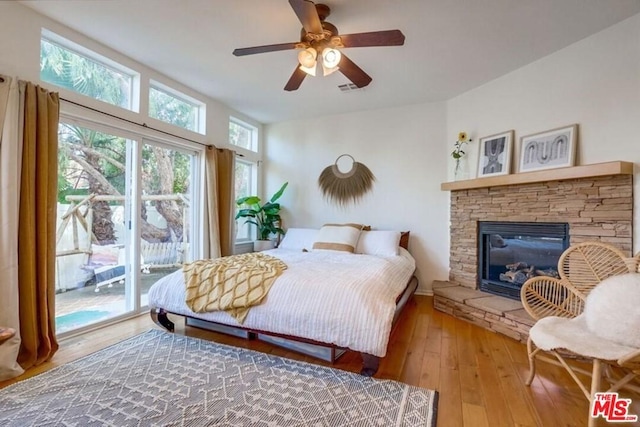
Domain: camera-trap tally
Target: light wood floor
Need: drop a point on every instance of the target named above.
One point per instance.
(479, 374)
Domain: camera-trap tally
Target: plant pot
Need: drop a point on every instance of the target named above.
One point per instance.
(263, 245)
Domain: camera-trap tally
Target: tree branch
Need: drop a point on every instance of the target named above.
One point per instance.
(71, 147)
(110, 189)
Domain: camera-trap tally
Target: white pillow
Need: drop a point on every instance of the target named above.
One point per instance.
(378, 242)
(611, 310)
(338, 237)
(297, 239)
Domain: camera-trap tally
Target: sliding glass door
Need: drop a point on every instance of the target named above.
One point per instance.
(91, 234)
(165, 211)
(124, 219)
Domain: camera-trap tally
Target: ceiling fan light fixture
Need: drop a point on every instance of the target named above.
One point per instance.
(309, 70)
(307, 60)
(326, 71)
(331, 58)
(307, 57)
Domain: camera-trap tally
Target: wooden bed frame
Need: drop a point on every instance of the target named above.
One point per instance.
(370, 363)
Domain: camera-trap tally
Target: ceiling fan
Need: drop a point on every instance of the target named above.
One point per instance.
(320, 43)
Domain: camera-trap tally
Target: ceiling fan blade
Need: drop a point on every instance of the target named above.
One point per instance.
(374, 38)
(353, 72)
(308, 15)
(295, 80)
(263, 49)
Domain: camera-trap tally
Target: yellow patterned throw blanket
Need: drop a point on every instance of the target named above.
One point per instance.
(233, 283)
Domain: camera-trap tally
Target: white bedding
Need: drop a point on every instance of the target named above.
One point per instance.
(328, 296)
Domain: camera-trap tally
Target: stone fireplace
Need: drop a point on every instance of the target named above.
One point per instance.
(596, 209)
(594, 202)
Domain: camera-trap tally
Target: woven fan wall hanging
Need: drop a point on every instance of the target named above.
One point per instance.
(344, 187)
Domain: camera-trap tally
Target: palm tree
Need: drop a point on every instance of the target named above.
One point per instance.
(94, 162)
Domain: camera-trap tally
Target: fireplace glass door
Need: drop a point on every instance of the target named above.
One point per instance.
(509, 253)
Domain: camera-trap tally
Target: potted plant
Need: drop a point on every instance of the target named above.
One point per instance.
(266, 217)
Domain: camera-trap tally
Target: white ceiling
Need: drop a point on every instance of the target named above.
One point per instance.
(451, 45)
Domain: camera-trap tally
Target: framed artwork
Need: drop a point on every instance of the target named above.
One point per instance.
(495, 154)
(555, 148)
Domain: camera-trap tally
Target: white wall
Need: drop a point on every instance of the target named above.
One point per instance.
(401, 146)
(595, 83)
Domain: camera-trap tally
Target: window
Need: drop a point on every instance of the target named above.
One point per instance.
(86, 73)
(175, 108)
(245, 186)
(243, 135)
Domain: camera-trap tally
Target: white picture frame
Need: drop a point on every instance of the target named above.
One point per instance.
(495, 154)
(555, 148)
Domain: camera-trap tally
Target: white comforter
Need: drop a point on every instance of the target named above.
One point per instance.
(328, 296)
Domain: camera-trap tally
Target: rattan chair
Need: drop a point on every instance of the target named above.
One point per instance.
(557, 305)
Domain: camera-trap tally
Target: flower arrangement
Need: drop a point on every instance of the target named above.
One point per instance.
(458, 153)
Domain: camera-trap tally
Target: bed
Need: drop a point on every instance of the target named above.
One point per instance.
(326, 298)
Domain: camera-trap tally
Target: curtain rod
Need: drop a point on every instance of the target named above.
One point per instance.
(144, 125)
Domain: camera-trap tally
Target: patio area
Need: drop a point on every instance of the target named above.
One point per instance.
(82, 306)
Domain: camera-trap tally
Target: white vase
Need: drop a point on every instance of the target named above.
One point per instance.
(263, 245)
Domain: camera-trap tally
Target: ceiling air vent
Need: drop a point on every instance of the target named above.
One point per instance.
(348, 87)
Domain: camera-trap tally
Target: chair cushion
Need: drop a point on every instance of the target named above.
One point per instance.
(608, 328)
(552, 333)
(612, 309)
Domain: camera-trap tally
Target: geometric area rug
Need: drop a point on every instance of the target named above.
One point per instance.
(163, 379)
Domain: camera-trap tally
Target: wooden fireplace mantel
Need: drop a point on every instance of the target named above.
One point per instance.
(574, 172)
